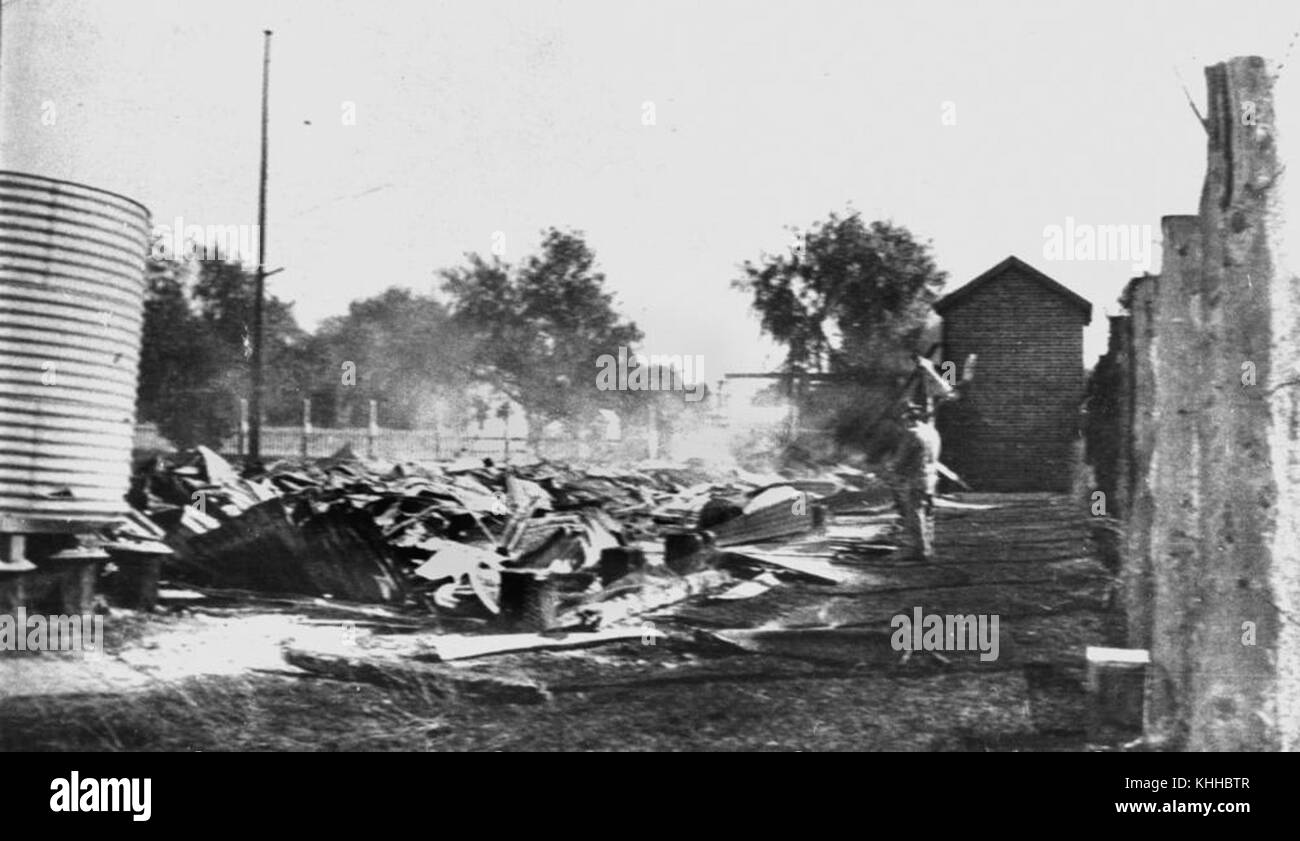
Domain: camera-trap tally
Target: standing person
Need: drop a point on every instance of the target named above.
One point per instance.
(915, 470)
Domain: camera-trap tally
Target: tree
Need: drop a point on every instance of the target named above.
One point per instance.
(225, 295)
(176, 359)
(676, 406)
(537, 329)
(849, 297)
(194, 351)
(401, 349)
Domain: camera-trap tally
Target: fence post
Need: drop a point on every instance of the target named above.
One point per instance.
(372, 429)
(242, 444)
(306, 425)
(652, 431)
(505, 432)
(1141, 297)
(1174, 474)
(1243, 691)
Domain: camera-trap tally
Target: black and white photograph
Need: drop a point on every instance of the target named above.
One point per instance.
(563, 376)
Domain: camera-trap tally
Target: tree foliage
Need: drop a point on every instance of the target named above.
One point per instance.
(195, 348)
(399, 348)
(526, 335)
(852, 299)
(537, 328)
(848, 297)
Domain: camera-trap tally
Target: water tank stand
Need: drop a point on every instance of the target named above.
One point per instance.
(15, 570)
(13, 554)
(77, 570)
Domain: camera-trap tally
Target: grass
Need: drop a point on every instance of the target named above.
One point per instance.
(224, 714)
(272, 712)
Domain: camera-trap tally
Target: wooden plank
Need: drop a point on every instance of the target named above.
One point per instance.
(947, 473)
(869, 646)
(835, 645)
(794, 607)
(748, 589)
(251, 600)
(461, 646)
(1003, 555)
(866, 579)
(776, 518)
(444, 681)
(1008, 602)
(818, 569)
(944, 502)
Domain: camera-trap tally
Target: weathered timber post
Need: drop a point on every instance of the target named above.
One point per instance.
(306, 427)
(1140, 300)
(1174, 474)
(242, 444)
(652, 430)
(372, 429)
(1244, 641)
(1122, 345)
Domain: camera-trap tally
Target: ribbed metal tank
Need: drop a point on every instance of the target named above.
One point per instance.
(72, 285)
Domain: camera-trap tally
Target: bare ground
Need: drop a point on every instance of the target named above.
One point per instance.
(215, 681)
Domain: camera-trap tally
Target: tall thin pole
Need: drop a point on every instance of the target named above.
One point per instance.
(255, 422)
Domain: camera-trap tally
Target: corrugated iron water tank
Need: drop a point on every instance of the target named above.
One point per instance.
(72, 286)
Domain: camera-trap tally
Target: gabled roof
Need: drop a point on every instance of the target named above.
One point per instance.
(952, 299)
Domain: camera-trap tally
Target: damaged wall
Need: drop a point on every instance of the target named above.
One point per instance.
(1212, 560)
(1106, 419)
(1140, 298)
(1173, 472)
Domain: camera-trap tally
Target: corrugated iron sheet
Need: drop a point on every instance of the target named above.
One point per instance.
(338, 552)
(72, 285)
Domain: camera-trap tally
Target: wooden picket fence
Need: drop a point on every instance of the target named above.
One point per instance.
(400, 445)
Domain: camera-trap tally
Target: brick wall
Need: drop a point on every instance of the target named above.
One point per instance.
(1016, 425)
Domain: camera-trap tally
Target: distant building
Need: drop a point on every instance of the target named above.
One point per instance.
(1017, 423)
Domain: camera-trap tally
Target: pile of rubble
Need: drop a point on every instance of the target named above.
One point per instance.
(533, 548)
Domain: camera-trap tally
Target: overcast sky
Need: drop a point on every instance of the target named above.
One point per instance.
(473, 118)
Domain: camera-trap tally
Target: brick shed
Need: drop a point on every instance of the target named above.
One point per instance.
(1017, 422)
